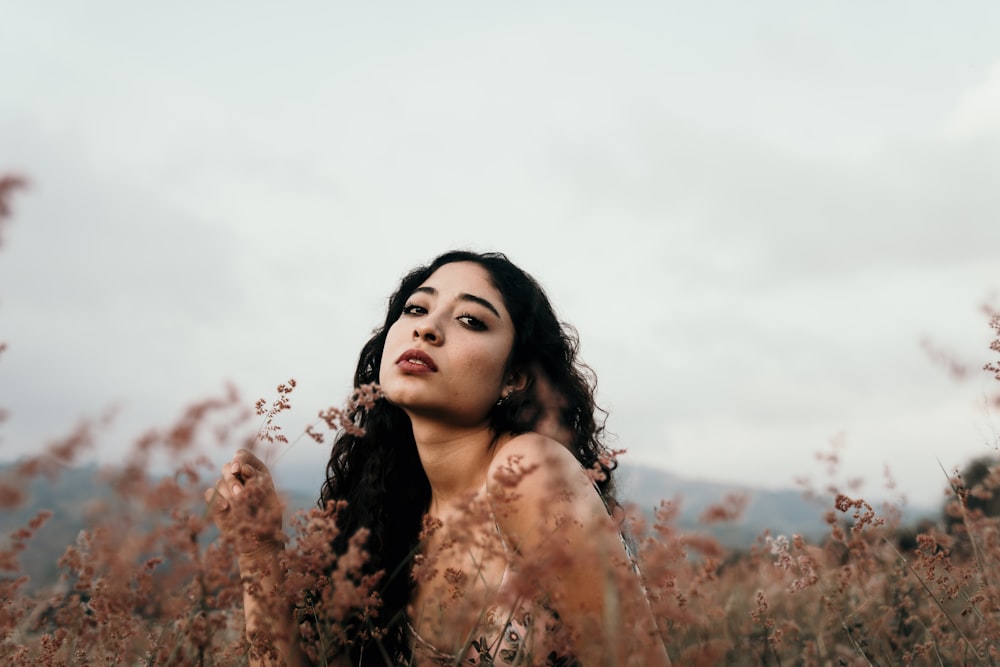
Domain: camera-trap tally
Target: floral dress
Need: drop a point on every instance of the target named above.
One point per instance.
(511, 645)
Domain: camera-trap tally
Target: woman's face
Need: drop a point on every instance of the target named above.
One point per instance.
(446, 356)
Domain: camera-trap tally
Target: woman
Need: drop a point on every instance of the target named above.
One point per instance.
(482, 481)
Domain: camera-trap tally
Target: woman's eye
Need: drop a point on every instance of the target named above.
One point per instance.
(414, 309)
(472, 322)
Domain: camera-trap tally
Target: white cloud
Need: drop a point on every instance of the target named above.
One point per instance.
(977, 112)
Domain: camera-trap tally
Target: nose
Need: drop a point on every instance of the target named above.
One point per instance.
(427, 330)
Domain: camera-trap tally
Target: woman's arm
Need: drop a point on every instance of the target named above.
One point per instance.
(246, 507)
(570, 548)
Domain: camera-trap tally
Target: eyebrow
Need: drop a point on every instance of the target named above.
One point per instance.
(463, 297)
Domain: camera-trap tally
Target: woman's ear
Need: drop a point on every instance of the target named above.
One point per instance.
(517, 380)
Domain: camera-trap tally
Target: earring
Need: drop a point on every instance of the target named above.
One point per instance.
(502, 399)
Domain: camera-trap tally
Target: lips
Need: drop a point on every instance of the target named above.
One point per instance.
(415, 361)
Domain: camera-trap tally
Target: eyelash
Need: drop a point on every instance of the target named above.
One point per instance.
(467, 319)
(411, 308)
(474, 323)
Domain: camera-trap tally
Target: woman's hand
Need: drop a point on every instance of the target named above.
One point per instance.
(246, 507)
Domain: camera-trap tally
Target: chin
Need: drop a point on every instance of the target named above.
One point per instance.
(401, 397)
(390, 396)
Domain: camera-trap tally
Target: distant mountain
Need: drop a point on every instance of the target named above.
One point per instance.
(782, 512)
(70, 498)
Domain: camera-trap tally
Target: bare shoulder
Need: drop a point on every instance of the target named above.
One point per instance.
(535, 486)
(535, 458)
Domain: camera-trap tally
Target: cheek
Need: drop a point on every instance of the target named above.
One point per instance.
(489, 366)
(387, 347)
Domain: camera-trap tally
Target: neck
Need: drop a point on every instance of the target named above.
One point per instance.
(455, 459)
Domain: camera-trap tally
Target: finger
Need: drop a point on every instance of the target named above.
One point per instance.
(246, 457)
(229, 470)
(248, 472)
(215, 499)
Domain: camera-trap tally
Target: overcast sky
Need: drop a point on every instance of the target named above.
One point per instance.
(752, 212)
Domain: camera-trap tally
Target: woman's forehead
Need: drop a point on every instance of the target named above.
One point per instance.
(460, 279)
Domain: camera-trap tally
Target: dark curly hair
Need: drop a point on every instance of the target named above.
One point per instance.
(379, 473)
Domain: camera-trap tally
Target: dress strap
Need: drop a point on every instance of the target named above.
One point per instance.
(442, 657)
